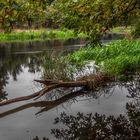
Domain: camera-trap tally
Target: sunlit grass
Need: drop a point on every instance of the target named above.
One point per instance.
(122, 29)
(42, 34)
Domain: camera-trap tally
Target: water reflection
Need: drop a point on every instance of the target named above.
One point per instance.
(20, 63)
(16, 56)
(13, 65)
(63, 95)
(92, 126)
(98, 126)
(43, 105)
(36, 138)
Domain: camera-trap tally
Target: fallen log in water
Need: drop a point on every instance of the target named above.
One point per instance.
(90, 82)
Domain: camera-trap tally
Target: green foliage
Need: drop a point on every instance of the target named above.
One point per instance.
(122, 29)
(39, 35)
(53, 68)
(136, 30)
(94, 17)
(15, 12)
(56, 68)
(118, 57)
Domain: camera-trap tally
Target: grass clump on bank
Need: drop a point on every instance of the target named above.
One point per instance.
(116, 58)
(136, 30)
(42, 34)
(122, 29)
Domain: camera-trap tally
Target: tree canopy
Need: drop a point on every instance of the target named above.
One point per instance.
(93, 17)
(15, 12)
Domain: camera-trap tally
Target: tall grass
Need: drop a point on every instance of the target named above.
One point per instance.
(56, 68)
(42, 34)
(122, 29)
(117, 57)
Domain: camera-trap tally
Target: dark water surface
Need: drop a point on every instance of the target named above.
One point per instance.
(20, 64)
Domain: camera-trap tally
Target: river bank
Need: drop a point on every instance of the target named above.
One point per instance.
(39, 35)
(115, 58)
(19, 35)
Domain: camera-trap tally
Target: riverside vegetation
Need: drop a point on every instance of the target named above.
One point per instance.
(111, 60)
(116, 58)
(41, 34)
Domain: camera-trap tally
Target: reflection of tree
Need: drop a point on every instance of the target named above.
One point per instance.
(60, 96)
(133, 86)
(44, 105)
(98, 127)
(89, 127)
(102, 127)
(36, 138)
(12, 64)
(133, 107)
(3, 81)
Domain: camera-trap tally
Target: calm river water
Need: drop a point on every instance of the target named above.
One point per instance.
(21, 63)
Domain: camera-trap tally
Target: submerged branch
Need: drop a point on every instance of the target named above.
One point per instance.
(43, 105)
(89, 82)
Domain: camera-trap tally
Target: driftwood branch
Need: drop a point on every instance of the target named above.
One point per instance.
(89, 82)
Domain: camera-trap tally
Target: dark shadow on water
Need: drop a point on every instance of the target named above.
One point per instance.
(98, 126)
(93, 126)
(101, 127)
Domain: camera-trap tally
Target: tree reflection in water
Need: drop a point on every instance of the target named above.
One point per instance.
(13, 65)
(61, 96)
(102, 127)
(90, 127)
(36, 138)
(98, 127)
(93, 126)
(15, 57)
